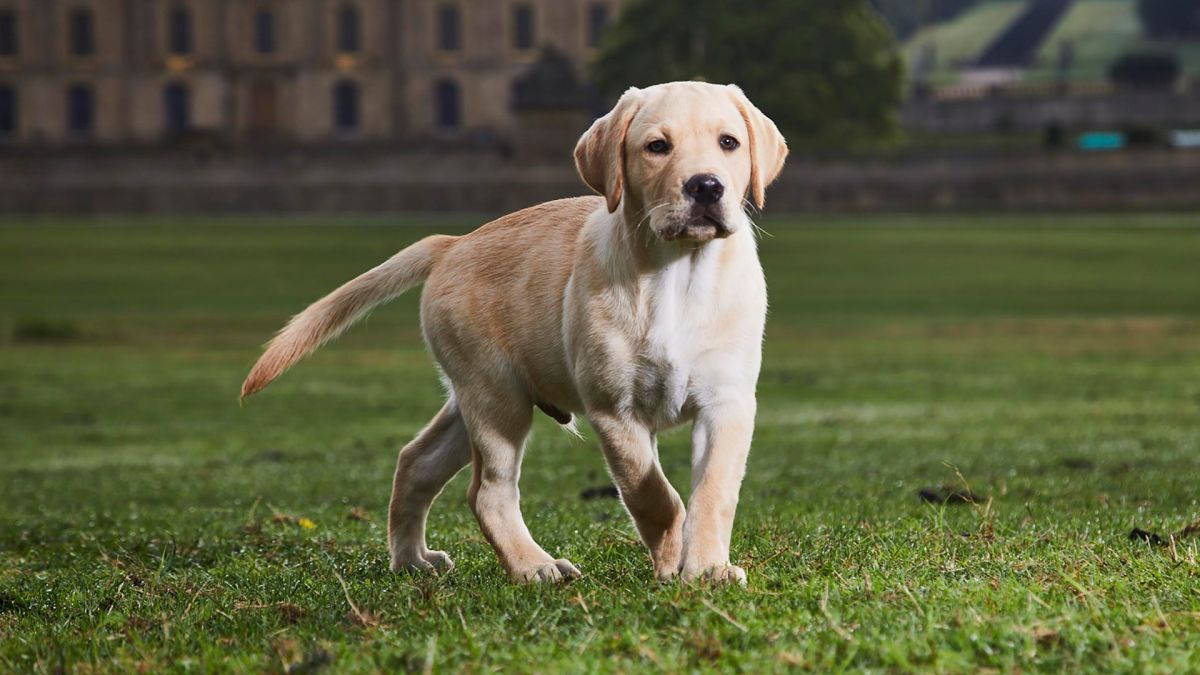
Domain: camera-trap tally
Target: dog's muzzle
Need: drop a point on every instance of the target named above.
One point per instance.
(702, 225)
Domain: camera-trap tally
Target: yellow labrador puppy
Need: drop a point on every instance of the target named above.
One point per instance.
(641, 310)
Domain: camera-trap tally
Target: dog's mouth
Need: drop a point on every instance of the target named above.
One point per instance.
(701, 226)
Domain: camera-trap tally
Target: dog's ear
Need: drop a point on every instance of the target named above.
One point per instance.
(768, 149)
(600, 153)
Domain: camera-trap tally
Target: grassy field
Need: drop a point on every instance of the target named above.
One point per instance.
(958, 42)
(1099, 32)
(1050, 365)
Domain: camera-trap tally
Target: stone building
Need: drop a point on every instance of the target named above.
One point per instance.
(309, 71)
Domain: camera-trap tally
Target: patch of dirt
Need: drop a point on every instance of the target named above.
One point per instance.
(1151, 538)
(1192, 529)
(600, 492)
(1078, 464)
(949, 496)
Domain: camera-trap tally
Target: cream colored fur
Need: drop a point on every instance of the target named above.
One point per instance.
(640, 311)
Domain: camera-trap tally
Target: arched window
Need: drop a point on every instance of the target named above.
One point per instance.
(81, 110)
(264, 31)
(349, 30)
(179, 31)
(345, 106)
(83, 40)
(8, 32)
(177, 108)
(8, 110)
(449, 28)
(449, 104)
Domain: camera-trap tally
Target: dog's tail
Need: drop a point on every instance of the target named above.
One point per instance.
(328, 317)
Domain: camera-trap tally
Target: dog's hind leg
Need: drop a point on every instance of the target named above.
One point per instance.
(498, 423)
(423, 468)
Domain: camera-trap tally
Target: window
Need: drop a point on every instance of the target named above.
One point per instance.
(8, 110)
(179, 31)
(83, 42)
(597, 22)
(348, 30)
(345, 106)
(264, 31)
(81, 103)
(449, 28)
(8, 32)
(177, 108)
(523, 27)
(449, 108)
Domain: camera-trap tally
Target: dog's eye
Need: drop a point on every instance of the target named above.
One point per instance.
(658, 147)
(729, 142)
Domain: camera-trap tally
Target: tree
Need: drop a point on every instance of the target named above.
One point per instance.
(827, 72)
(1170, 18)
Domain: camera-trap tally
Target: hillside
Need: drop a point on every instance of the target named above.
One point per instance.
(1094, 32)
(957, 43)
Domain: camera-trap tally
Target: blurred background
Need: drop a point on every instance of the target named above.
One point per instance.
(236, 106)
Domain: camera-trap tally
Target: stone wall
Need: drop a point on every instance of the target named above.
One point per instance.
(336, 179)
(983, 112)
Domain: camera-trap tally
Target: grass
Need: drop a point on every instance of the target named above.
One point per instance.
(1051, 364)
(958, 42)
(1099, 32)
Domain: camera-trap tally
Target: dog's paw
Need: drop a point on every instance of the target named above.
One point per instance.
(666, 574)
(558, 571)
(426, 561)
(717, 575)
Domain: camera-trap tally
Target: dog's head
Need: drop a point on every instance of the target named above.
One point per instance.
(682, 157)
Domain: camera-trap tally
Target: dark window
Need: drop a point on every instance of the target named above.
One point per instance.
(8, 33)
(523, 27)
(597, 22)
(81, 103)
(345, 106)
(177, 108)
(83, 42)
(348, 30)
(264, 31)
(180, 31)
(449, 106)
(8, 111)
(449, 28)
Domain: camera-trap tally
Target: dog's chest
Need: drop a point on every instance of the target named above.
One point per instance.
(675, 325)
(661, 374)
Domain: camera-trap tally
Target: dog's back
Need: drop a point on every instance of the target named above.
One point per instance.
(496, 296)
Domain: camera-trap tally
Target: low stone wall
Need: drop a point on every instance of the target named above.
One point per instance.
(1018, 109)
(375, 180)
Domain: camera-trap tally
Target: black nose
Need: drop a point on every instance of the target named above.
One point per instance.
(705, 188)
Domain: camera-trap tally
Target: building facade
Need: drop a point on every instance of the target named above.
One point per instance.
(144, 71)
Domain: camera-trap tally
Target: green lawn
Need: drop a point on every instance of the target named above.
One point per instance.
(1098, 32)
(958, 42)
(1050, 363)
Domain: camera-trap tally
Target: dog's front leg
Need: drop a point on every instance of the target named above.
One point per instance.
(657, 510)
(720, 444)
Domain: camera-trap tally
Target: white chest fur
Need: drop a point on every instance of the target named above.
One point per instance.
(661, 342)
(679, 322)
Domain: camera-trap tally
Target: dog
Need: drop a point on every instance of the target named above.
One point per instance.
(640, 309)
